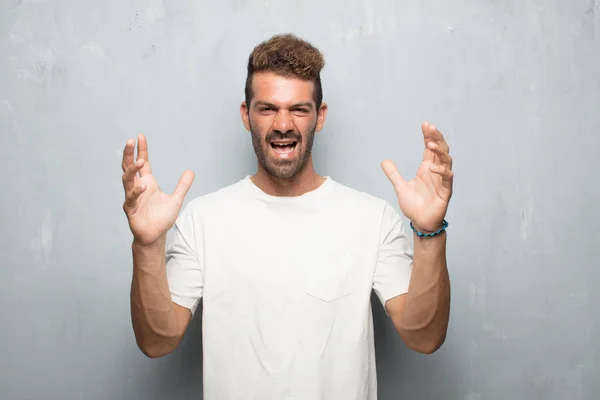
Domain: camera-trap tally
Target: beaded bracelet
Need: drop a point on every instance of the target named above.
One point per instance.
(421, 234)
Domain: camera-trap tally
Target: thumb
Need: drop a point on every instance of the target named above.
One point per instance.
(393, 175)
(184, 184)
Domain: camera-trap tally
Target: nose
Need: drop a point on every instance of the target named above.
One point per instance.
(283, 122)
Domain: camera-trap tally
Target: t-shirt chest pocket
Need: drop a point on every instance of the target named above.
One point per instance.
(328, 274)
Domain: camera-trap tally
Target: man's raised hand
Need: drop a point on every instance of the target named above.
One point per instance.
(150, 212)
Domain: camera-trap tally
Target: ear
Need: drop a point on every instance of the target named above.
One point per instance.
(321, 115)
(245, 117)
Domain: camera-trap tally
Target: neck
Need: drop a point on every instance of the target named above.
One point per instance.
(305, 181)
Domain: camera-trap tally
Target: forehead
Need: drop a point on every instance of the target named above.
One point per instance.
(280, 90)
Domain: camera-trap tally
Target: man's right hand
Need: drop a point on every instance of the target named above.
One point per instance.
(150, 212)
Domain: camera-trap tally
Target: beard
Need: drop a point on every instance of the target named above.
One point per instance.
(283, 169)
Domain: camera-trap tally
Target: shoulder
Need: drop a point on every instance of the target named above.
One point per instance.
(372, 213)
(363, 202)
(211, 202)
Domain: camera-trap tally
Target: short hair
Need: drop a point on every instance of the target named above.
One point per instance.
(289, 56)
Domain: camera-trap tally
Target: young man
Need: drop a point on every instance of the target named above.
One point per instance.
(285, 260)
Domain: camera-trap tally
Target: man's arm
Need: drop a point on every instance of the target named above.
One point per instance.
(158, 323)
(421, 316)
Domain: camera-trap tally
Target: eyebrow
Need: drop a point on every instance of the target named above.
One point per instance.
(297, 105)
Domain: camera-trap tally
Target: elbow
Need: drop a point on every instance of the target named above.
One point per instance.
(155, 343)
(149, 353)
(428, 347)
(153, 355)
(432, 346)
(154, 351)
(425, 345)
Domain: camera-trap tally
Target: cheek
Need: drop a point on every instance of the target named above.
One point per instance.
(299, 123)
(305, 125)
(261, 124)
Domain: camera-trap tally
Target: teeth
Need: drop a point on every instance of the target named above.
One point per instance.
(285, 148)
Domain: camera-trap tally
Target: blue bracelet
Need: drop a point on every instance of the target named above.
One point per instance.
(421, 234)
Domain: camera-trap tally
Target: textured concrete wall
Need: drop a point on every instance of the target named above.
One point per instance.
(514, 86)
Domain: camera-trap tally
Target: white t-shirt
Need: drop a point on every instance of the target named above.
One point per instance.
(286, 284)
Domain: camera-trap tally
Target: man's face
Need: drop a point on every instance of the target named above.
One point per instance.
(283, 119)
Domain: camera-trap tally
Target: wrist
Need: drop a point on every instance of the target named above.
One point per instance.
(420, 228)
(420, 232)
(149, 245)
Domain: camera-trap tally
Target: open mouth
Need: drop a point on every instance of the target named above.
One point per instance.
(283, 147)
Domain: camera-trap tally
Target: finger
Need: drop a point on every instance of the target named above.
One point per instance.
(128, 154)
(432, 134)
(143, 154)
(133, 196)
(442, 155)
(129, 175)
(184, 184)
(393, 175)
(446, 174)
(428, 155)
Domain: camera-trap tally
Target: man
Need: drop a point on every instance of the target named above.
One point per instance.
(286, 260)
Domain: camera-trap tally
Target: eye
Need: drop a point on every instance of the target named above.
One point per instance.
(301, 110)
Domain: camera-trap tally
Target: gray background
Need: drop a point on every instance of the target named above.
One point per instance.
(514, 85)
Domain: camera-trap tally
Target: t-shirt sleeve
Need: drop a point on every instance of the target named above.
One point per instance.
(394, 259)
(185, 273)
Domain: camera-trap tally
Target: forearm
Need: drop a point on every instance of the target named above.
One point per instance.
(153, 314)
(427, 309)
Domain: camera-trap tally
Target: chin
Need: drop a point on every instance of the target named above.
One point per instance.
(282, 173)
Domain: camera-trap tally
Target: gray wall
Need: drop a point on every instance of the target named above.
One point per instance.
(513, 84)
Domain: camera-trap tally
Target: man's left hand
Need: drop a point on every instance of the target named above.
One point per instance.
(424, 199)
